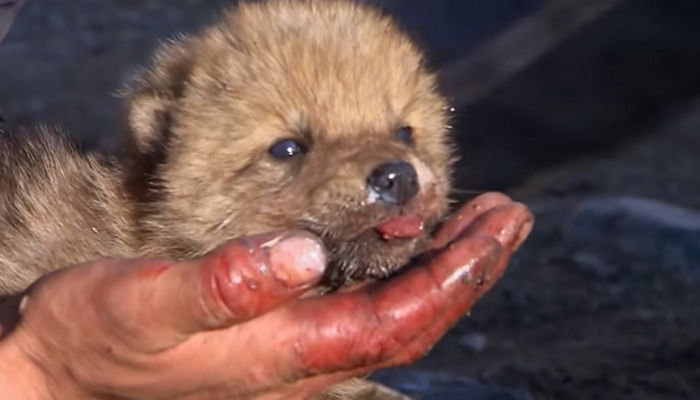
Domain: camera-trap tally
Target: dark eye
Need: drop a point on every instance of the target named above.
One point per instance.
(287, 148)
(405, 134)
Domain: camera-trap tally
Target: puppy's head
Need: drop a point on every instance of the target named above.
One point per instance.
(317, 115)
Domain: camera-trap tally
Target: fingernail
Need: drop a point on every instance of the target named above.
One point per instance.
(298, 259)
(523, 232)
(23, 304)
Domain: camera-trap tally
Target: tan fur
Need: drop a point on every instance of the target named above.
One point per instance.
(199, 121)
(58, 207)
(338, 76)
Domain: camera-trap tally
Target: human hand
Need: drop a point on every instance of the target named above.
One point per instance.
(233, 324)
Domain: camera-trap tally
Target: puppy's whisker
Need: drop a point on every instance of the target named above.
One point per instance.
(468, 191)
(223, 223)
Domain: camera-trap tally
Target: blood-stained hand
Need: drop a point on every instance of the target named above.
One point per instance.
(235, 324)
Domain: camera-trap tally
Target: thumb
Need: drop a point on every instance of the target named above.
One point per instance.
(241, 280)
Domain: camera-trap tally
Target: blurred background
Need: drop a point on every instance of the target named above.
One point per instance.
(586, 110)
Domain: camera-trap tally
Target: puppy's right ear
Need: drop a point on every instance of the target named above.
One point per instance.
(148, 99)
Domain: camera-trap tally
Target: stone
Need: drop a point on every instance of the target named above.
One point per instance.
(664, 233)
(423, 385)
(475, 341)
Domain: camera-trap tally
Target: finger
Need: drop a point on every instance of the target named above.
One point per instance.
(336, 334)
(477, 284)
(239, 281)
(466, 215)
(362, 329)
(316, 342)
(424, 342)
(510, 224)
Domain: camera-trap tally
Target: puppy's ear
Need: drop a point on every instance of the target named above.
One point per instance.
(148, 99)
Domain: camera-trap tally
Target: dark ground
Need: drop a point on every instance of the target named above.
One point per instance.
(602, 301)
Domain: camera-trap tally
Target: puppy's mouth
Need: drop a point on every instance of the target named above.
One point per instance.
(401, 227)
(397, 225)
(372, 241)
(389, 225)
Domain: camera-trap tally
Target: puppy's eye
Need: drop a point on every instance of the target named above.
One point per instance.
(287, 148)
(405, 134)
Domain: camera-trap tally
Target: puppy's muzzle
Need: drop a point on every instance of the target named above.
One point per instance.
(394, 182)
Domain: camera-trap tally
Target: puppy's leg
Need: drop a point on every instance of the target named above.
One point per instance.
(360, 389)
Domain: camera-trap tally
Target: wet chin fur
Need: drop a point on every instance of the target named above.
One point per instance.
(370, 257)
(359, 252)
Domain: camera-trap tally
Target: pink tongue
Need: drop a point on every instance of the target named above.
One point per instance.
(404, 227)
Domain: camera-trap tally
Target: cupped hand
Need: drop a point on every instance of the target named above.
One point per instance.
(235, 324)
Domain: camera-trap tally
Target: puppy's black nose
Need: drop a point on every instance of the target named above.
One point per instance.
(395, 182)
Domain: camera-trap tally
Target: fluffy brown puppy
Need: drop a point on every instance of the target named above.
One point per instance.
(311, 114)
(307, 114)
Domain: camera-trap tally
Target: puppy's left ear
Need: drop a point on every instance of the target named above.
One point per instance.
(148, 100)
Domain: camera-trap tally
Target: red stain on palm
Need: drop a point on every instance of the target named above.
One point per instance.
(342, 335)
(396, 321)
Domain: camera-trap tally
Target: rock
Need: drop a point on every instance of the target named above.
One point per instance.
(475, 341)
(423, 385)
(667, 234)
(601, 263)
